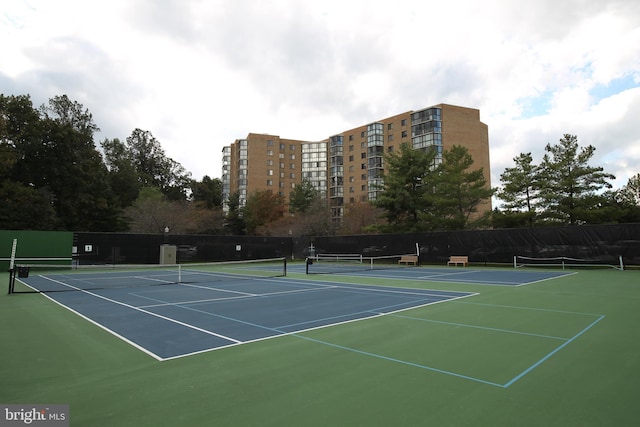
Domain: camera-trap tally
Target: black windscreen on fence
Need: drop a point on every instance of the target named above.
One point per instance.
(605, 243)
(129, 248)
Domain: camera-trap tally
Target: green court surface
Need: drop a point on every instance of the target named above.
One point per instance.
(560, 352)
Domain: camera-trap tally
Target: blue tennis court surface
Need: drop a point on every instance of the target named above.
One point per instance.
(452, 274)
(175, 320)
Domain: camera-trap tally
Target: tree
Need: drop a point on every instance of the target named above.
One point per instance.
(123, 176)
(155, 168)
(262, 207)
(22, 205)
(25, 208)
(630, 193)
(568, 185)
(302, 197)
(408, 188)
(71, 114)
(459, 191)
(152, 213)
(199, 220)
(69, 164)
(361, 218)
(234, 222)
(519, 191)
(52, 154)
(208, 193)
(626, 201)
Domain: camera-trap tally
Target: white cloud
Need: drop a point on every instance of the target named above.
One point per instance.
(199, 74)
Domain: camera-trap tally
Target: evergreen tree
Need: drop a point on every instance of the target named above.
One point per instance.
(459, 191)
(408, 189)
(569, 187)
(519, 191)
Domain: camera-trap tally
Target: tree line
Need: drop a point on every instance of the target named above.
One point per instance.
(53, 176)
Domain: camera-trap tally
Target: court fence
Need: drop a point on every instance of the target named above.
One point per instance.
(600, 243)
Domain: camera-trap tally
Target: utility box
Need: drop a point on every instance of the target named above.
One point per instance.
(167, 254)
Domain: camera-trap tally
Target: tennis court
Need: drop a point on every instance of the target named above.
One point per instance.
(396, 346)
(485, 276)
(206, 308)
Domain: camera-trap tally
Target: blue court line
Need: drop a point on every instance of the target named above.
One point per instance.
(402, 362)
(549, 310)
(545, 358)
(481, 327)
(467, 377)
(377, 311)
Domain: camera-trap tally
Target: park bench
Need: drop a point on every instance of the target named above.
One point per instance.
(457, 259)
(408, 259)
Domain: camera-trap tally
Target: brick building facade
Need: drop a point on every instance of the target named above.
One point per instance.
(345, 166)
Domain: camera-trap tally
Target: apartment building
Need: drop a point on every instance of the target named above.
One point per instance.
(347, 167)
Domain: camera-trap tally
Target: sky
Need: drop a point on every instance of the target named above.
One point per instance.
(199, 74)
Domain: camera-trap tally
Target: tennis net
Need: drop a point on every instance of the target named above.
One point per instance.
(347, 263)
(567, 262)
(42, 278)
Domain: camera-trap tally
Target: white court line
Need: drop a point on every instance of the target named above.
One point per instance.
(224, 298)
(169, 319)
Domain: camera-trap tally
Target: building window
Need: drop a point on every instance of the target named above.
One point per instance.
(404, 133)
(269, 183)
(350, 137)
(403, 122)
(389, 126)
(351, 148)
(270, 172)
(292, 156)
(390, 137)
(351, 158)
(363, 155)
(362, 134)
(269, 152)
(363, 166)
(269, 142)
